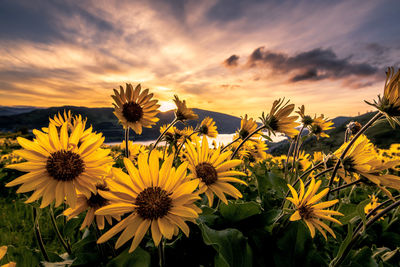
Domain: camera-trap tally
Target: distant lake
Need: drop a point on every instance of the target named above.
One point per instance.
(221, 139)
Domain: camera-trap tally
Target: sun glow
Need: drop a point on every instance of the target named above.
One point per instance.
(166, 106)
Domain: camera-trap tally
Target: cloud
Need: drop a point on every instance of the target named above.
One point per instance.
(231, 61)
(316, 64)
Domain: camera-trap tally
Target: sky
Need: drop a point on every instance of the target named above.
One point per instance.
(230, 56)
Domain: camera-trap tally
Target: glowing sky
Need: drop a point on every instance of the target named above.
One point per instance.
(231, 56)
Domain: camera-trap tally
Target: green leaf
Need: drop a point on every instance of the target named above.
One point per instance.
(239, 210)
(230, 244)
(361, 212)
(268, 180)
(344, 244)
(138, 258)
(349, 211)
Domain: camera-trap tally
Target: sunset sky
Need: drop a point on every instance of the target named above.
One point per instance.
(231, 56)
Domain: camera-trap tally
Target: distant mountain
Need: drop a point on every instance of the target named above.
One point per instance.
(103, 120)
(14, 110)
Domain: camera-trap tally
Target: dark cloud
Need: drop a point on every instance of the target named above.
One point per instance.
(231, 61)
(316, 64)
(41, 21)
(227, 10)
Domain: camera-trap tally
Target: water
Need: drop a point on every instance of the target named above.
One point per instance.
(221, 139)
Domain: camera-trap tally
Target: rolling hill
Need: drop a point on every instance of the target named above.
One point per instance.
(103, 119)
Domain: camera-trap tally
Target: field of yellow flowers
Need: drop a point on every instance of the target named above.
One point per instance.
(67, 199)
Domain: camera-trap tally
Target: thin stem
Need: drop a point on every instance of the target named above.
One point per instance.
(297, 147)
(357, 233)
(97, 235)
(247, 138)
(161, 253)
(234, 141)
(287, 158)
(38, 234)
(59, 236)
(363, 129)
(346, 185)
(346, 135)
(163, 133)
(183, 143)
(126, 142)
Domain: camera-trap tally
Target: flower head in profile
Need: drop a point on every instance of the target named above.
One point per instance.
(310, 211)
(253, 151)
(212, 170)
(182, 112)
(353, 127)
(135, 108)
(161, 199)
(306, 120)
(91, 204)
(279, 119)
(59, 165)
(207, 127)
(319, 126)
(389, 104)
(363, 159)
(247, 126)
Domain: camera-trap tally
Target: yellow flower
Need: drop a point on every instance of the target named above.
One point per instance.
(93, 203)
(59, 119)
(213, 171)
(363, 159)
(254, 150)
(354, 127)
(58, 165)
(319, 126)
(3, 251)
(207, 127)
(389, 104)
(278, 120)
(309, 211)
(134, 149)
(247, 126)
(305, 119)
(158, 198)
(134, 108)
(182, 112)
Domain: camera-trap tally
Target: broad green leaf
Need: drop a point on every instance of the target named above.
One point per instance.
(138, 258)
(361, 212)
(239, 210)
(344, 244)
(230, 244)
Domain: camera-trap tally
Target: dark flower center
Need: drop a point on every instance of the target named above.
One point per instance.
(316, 129)
(97, 201)
(64, 165)
(307, 120)
(305, 212)
(153, 203)
(348, 164)
(243, 133)
(203, 129)
(132, 112)
(273, 123)
(207, 173)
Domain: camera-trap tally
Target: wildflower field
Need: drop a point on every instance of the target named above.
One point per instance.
(67, 199)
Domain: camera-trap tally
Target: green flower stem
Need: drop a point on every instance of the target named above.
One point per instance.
(247, 138)
(38, 234)
(126, 142)
(161, 252)
(346, 185)
(159, 138)
(59, 236)
(358, 233)
(363, 129)
(287, 159)
(183, 143)
(234, 141)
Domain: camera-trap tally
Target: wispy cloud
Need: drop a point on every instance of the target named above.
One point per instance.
(63, 52)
